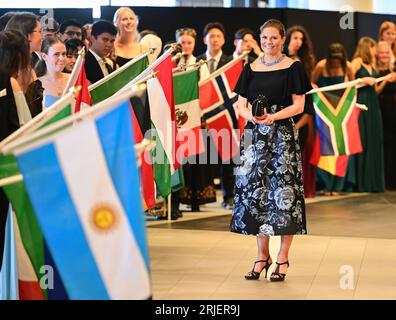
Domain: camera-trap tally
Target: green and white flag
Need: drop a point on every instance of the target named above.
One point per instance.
(116, 80)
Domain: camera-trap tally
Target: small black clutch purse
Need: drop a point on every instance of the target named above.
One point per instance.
(260, 106)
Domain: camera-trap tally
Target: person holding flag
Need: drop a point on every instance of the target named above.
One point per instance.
(334, 69)
(198, 182)
(269, 193)
(214, 38)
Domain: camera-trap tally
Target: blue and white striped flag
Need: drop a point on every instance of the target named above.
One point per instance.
(84, 187)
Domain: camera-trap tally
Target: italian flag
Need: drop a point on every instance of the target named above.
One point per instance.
(188, 113)
(162, 110)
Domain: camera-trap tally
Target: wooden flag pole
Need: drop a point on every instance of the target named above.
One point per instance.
(169, 209)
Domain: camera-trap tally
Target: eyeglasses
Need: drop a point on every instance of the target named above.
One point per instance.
(72, 33)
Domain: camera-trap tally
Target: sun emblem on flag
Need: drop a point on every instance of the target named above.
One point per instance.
(104, 218)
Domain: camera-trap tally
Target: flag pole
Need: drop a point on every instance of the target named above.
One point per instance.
(99, 109)
(220, 70)
(75, 72)
(183, 68)
(37, 120)
(169, 208)
(145, 145)
(150, 69)
(119, 70)
(339, 86)
(11, 180)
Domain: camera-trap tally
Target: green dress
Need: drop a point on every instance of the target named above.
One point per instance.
(370, 162)
(326, 180)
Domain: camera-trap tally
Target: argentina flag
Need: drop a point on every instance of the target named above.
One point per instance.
(84, 187)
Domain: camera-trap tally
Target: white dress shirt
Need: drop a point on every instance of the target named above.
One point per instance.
(216, 59)
(102, 63)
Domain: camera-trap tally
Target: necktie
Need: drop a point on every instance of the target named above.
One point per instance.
(104, 68)
(109, 68)
(212, 65)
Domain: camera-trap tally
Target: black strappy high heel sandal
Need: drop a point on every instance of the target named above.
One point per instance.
(254, 275)
(280, 276)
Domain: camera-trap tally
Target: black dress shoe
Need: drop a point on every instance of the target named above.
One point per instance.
(174, 216)
(195, 208)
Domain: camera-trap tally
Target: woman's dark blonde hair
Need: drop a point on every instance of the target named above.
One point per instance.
(185, 32)
(117, 17)
(385, 26)
(273, 23)
(363, 50)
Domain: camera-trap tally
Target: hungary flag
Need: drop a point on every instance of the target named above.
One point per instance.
(162, 110)
(116, 80)
(188, 113)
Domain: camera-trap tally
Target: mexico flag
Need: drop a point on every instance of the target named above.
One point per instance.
(188, 113)
(163, 120)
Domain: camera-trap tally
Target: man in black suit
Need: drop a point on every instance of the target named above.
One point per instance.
(97, 64)
(214, 38)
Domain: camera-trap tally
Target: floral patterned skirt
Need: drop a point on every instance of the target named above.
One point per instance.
(269, 192)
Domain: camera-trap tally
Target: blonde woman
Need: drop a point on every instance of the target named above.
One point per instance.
(186, 37)
(370, 162)
(387, 32)
(126, 45)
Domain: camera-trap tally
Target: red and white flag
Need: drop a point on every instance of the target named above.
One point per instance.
(83, 99)
(219, 107)
(163, 119)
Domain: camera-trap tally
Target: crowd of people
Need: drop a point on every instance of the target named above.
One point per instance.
(36, 61)
(266, 190)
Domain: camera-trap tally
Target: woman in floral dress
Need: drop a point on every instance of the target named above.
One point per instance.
(269, 193)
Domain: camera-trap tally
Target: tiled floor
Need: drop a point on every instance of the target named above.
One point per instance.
(200, 259)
